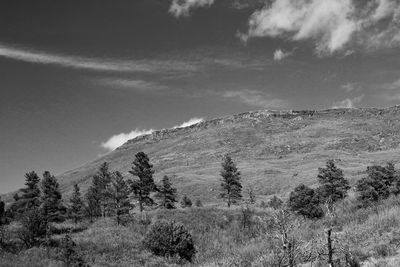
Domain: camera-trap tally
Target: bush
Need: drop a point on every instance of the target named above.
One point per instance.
(69, 254)
(304, 201)
(198, 203)
(186, 202)
(167, 239)
(33, 229)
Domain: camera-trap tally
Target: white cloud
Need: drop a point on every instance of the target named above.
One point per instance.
(182, 7)
(119, 139)
(333, 25)
(138, 85)
(188, 123)
(280, 55)
(352, 87)
(392, 85)
(94, 64)
(256, 98)
(348, 102)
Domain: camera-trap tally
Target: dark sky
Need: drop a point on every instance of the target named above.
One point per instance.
(73, 74)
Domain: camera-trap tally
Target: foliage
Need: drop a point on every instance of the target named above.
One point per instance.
(167, 239)
(30, 194)
(251, 194)
(333, 185)
(69, 254)
(144, 185)
(119, 196)
(231, 188)
(34, 227)
(186, 202)
(76, 209)
(166, 194)
(98, 194)
(198, 203)
(51, 207)
(275, 203)
(304, 201)
(377, 185)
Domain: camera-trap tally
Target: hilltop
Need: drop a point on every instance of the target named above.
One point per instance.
(275, 150)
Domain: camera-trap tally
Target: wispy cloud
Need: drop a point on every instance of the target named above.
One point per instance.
(94, 64)
(348, 102)
(188, 123)
(118, 140)
(333, 24)
(351, 87)
(132, 84)
(280, 55)
(395, 85)
(256, 98)
(181, 8)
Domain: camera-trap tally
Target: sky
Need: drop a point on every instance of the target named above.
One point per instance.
(79, 78)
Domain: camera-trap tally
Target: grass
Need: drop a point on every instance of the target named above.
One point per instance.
(372, 235)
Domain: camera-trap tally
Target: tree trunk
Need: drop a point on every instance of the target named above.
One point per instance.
(328, 233)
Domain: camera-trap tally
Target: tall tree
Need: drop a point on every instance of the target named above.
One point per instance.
(100, 183)
(166, 194)
(76, 204)
(305, 201)
(52, 208)
(30, 194)
(231, 188)
(119, 194)
(144, 185)
(2, 212)
(333, 185)
(92, 207)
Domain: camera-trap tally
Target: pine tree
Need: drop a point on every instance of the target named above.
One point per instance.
(30, 195)
(231, 188)
(377, 185)
(76, 208)
(2, 213)
(166, 194)
(186, 202)
(100, 183)
(305, 201)
(92, 207)
(52, 208)
(144, 185)
(119, 194)
(333, 185)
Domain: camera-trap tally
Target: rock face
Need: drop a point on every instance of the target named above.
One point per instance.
(275, 150)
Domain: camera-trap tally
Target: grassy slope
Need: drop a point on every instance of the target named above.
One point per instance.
(274, 152)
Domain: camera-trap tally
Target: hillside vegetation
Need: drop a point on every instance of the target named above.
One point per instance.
(275, 151)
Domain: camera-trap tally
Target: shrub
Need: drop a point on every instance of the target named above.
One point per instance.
(33, 229)
(69, 254)
(198, 203)
(304, 201)
(167, 239)
(186, 202)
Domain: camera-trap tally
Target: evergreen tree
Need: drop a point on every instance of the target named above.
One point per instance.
(100, 183)
(231, 188)
(166, 194)
(304, 201)
(92, 207)
(30, 195)
(119, 193)
(186, 202)
(76, 207)
(333, 185)
(144, 185)
(377, 185)
(52, 208)
(2, 212)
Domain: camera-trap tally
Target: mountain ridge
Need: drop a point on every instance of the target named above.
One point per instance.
(274, 150)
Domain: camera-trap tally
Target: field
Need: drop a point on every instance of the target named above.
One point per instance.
(371, 235)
